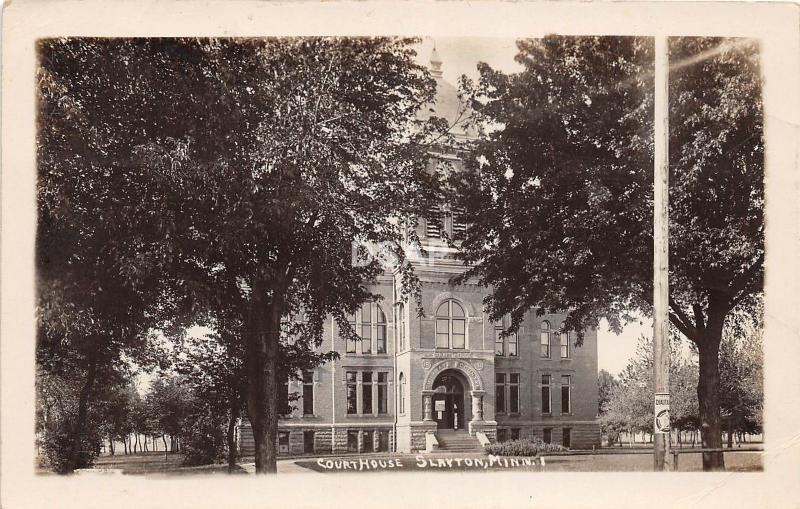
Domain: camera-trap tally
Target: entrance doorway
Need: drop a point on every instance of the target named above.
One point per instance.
(448, 401)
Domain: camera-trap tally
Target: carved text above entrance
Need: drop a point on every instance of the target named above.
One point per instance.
(465, 367)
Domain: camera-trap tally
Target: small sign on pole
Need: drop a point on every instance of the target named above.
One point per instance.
(661, 425)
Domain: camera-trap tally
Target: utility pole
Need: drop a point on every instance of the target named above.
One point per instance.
(661, 257)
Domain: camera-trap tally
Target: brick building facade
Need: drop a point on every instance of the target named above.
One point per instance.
(446, 373)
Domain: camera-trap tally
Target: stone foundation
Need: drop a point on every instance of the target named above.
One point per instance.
(327, 440)
(583, 436)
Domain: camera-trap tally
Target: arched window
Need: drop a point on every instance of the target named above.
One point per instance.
(401, 327)
(545, 339)
(451, 325)
(401, 396)
(564, 335)
(511, 339)
(370, 325)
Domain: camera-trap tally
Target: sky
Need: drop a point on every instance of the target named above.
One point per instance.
(460, 56)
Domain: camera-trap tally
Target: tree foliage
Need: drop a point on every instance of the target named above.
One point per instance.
(561, 186)
(237, 190)
(606, 385)
(630, 403)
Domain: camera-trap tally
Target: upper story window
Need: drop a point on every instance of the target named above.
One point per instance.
(308, 393)
(508, 345)
(544, 339)
(566, 394)
(401, 327)
(441, 221)
(564, 338)
(546, 394)
(370, 325)
(458, 224)
(433, 223)
(451, 325)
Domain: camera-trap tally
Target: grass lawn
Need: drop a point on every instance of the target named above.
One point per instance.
(616, 461)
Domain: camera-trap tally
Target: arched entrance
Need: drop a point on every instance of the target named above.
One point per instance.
(448, 400)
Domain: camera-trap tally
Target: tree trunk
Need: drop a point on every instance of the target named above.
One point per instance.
(262, 343)
(135, 442)
(83, 408)
(164, 439)
(233, 452)
(708, 396)
(730, 431)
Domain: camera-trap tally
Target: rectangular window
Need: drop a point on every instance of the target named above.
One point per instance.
(512, 345)
(308, 393)
(545, 342)
(433, 223)
(565, 345)
(566, 404)
(366, 392)
(352, 440)
(442, 333)
(401, 328)
(513, 393)
(546, 394)
(380, 338)
(501, 435)
(352, 405)
(514, 433)
(459, 334)
(566, 438)
(500, 392)
(498, 342)
(459, 224)
(283, 442)
(383, 440)
(366, 339)
(368, 441)
(547, 435)
(382, 393)
(308, 442)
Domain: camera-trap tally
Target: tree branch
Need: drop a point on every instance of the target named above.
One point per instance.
(683, 318)
(686, 331)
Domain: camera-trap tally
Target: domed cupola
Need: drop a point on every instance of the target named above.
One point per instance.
(446, 103)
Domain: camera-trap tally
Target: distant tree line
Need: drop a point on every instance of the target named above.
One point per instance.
(626, 402)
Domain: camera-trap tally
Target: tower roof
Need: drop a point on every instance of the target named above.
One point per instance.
(436, 63)
(446, 104)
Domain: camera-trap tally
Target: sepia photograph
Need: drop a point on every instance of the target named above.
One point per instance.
(317, 256)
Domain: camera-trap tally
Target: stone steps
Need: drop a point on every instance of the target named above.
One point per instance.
(457, 441)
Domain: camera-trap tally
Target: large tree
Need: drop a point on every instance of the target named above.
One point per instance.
(559, 190)
(258, 165)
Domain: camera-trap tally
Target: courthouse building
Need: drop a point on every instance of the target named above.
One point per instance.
(448, 379)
